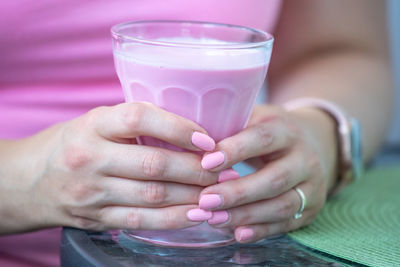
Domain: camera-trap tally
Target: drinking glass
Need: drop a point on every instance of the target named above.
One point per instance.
(209, 73)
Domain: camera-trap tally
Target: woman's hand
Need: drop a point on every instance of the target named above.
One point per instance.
(289, 150)
(90, 173)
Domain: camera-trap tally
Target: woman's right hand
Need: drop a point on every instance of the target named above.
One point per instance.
(90, 173)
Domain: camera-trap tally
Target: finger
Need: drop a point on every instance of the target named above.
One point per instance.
(255, 232)
(173, 217)
(227, 175)
(261, 139)
(155, 164)
(126, 192)
(262, 113)
(130, 120)
(281, 208)
(269, 182)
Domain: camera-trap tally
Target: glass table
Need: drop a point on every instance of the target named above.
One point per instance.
(114, 248)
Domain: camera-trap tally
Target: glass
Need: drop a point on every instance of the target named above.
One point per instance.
(207, 72)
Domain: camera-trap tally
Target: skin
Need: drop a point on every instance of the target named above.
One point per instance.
(335, 50)
(89, 172)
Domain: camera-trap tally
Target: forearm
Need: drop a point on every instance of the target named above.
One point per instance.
(12, 185)
(21, 162)
(358, 81)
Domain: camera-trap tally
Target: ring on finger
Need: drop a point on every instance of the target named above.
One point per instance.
(302, 196)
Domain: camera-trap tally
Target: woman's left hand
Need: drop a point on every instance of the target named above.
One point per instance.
(289, 150)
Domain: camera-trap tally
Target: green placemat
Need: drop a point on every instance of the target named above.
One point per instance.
(362, 223)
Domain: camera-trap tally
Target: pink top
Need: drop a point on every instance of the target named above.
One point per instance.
(56, 64)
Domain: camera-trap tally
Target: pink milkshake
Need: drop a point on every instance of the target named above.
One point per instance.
(217, 91)
(206, 72)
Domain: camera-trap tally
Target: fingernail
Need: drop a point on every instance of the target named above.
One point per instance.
(203, 141)
(226, 175)
(212, 160)
(198, 215)
(220, 216)
(246, 234)
(210, 201)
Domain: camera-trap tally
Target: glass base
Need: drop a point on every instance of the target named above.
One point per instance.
(200, 236)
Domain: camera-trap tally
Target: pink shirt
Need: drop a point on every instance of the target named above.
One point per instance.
(56, 64)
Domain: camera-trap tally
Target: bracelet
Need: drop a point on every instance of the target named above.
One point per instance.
(350, 164)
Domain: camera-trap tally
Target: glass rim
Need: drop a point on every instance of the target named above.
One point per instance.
(269, 39)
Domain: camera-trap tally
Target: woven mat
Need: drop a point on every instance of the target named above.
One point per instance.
(362, 223)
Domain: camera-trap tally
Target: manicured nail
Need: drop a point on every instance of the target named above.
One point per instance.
(220, 216)
(226, 175)
(210, 201)
(212, 160)
(203, 141)
(198, 215)
(246, 234)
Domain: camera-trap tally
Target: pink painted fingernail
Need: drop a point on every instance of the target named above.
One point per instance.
(212, 160)
(198, 215)
(220, 216)
(210, 201)
(203, 141)
(245, 234)
(226, 175)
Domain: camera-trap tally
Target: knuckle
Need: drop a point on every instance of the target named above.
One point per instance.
(133, 219)
(285, 209)
(235, 150)
(240, 194)
(133, 115)
(154, 193)
(154, 164)
(280, 180)
(76, 157)
(93, 115)
(264, 135)
(88, 123)
(240, 216)
(205, 178)
(169, 220)
(230, 147)
(82, 192)
(78, 191)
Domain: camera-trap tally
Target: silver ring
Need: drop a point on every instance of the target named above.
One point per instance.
(303, 203)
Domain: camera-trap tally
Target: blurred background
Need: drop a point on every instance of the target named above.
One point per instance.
(394, 28)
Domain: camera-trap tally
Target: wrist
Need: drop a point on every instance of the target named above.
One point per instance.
(15, 193)
(22, 203)
(348, 133)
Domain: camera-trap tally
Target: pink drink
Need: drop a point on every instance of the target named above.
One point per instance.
(209, 73)
(216, 89)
